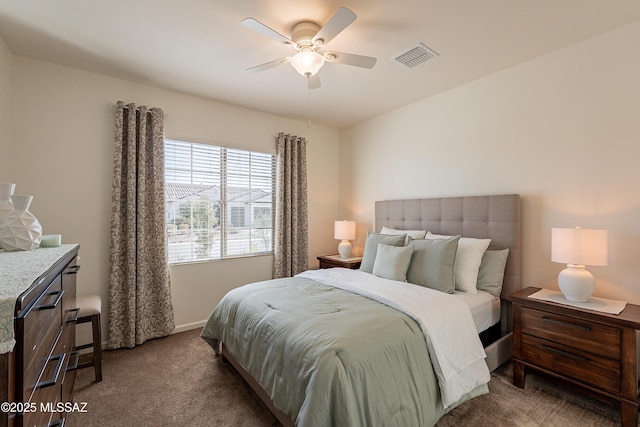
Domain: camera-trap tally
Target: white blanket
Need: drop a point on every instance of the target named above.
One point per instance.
(455, 348)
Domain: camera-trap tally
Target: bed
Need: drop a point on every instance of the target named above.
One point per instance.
(345, 347)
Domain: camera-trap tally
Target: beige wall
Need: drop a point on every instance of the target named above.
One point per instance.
(561, 130)
(5, 112)
(62, 154)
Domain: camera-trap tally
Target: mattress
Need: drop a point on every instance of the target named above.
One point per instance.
(485, 308)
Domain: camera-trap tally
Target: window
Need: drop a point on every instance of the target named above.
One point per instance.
(237, 216)
(218, 201)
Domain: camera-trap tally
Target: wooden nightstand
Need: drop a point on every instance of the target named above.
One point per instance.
(597, 352)
(330, 261)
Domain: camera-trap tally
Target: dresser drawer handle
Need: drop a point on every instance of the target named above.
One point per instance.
(56, 374)
(564, 353)
(72, 270)
(57, 423)
(73, 367)
(584, 328)
(75, 318)
(53, 304)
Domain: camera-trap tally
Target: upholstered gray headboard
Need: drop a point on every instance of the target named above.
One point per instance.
(496, 217)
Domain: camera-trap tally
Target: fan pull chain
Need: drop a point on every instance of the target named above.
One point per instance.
(308, 107)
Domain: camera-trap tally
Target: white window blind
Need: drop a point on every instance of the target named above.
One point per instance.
(218, 201)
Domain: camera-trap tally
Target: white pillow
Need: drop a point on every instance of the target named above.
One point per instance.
(468, 259)
(411, 234)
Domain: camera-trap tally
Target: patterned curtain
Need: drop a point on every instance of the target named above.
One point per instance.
(291, 234)
(139, 285)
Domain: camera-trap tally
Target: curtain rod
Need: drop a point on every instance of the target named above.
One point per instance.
(114, 105)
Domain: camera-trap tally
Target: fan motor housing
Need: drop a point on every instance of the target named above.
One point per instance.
(303, 32)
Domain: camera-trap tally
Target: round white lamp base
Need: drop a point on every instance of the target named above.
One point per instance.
(344, 249)
(576, 283)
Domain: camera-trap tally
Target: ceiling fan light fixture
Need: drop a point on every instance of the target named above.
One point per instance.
(307, 62)
(308, 38)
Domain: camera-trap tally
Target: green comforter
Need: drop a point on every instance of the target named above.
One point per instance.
(328, 357)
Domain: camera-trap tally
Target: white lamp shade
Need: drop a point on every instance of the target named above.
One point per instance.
(344, 230)
(579, 246)
(307, 62)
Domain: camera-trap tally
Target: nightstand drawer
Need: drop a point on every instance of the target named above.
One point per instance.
(580, 365)
(590, 337)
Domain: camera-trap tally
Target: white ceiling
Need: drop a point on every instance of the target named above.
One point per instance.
(199, 46)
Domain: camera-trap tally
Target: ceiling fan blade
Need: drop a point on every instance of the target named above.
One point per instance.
(269, 65)
(313, 82)
(351, 59)
(338, 22)
(259, 27)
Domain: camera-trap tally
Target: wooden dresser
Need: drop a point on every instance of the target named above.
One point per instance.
(593, 351)
(36, 376)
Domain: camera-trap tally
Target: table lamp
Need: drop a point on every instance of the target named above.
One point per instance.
(344, 231)
(578, 247)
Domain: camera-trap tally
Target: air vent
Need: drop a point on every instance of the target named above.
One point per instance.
(415, 56)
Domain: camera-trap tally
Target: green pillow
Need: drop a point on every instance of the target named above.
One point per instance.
(491, 273)
(433, 263)
(392, 262)
(371, 248)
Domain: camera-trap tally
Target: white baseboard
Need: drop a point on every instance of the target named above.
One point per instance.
(188, 327)
(177, 330)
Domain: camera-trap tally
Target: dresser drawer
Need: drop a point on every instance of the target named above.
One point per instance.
(47, 392)
(42, 326)
(580, 365)
(587, 336)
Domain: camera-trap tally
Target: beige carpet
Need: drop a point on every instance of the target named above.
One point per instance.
(177, 381)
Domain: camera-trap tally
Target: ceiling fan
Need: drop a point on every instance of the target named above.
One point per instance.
(309, 39)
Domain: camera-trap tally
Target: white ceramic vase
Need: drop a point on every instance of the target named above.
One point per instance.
(6, 205)
(20, 230)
